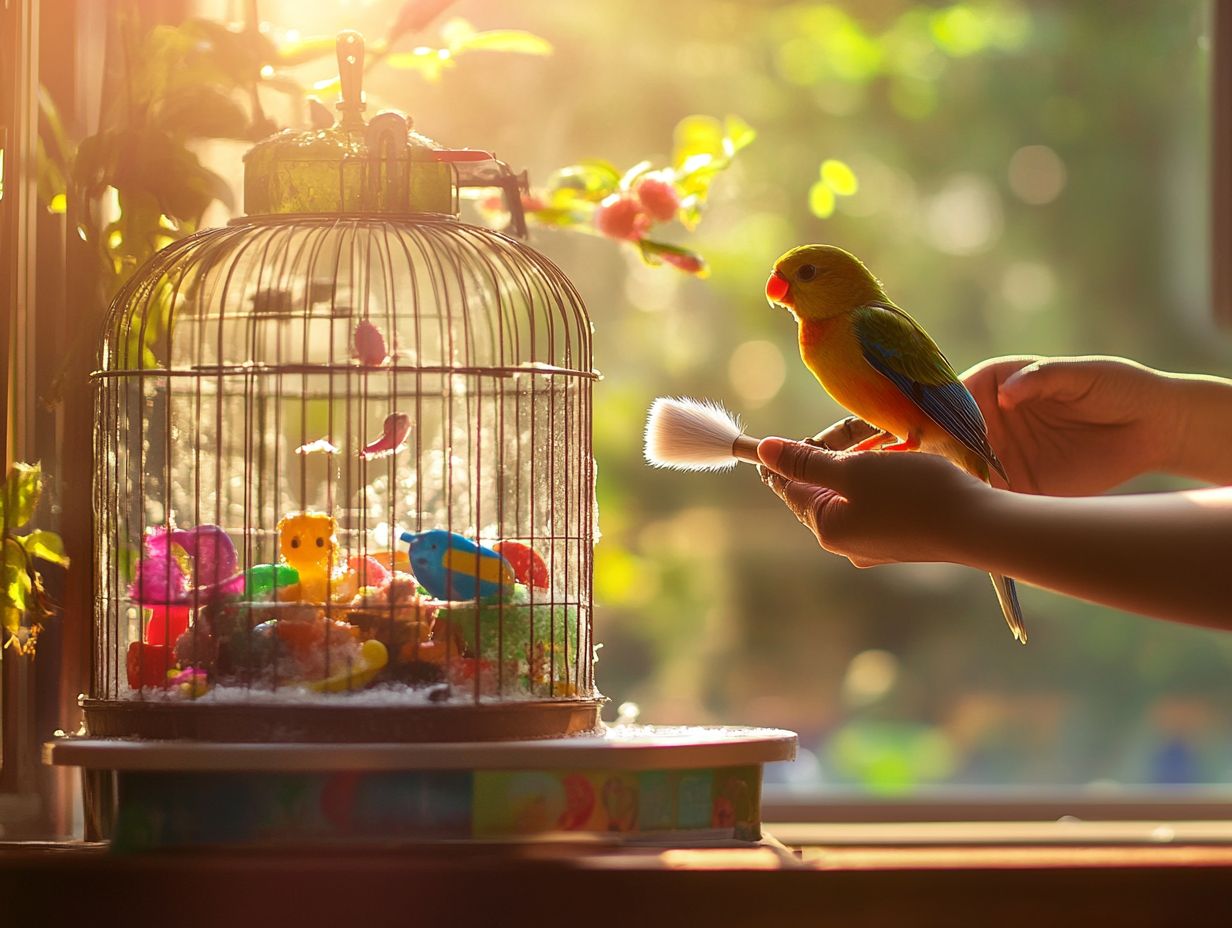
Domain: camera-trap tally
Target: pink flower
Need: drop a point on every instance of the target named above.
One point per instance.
(620, 216)
(658, 196)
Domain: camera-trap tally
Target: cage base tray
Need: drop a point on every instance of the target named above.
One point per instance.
(339, 723)
(628, 784)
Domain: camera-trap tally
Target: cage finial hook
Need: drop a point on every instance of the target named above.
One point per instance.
(351, 79)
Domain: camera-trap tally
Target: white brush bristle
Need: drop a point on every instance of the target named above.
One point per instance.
(690, 434)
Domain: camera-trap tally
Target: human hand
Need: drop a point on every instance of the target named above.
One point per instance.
(873, 507)
(1075, 426)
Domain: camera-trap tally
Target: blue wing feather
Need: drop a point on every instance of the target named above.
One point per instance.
(949, 404)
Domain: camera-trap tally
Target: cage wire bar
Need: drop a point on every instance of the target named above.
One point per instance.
(229, 395)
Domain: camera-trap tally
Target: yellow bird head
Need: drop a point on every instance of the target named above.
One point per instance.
(819, 281)
(307, 542)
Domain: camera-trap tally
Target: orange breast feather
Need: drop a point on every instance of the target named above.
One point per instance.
(830, 350)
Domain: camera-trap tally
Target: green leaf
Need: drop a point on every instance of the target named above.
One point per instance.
(150, 168)
(559, 217)
(739, 134)
(10, 619)
(657, 253)
(839, 177)
(503, 40)
(430, 62)
(161, 57)
(20, 496)
(202, 112)
(821, 200)
(47, 546)
(236, 53)
(589, 180)
(697, 175)
(690, 213)
(305, 50)
(697, 135)
(15, 582)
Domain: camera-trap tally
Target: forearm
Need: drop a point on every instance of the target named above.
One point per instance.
(1203, 449)
(1165, 555)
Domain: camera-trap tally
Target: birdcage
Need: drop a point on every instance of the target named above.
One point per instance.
(344, 487)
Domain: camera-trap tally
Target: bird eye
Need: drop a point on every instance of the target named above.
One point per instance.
(295, 542)
(320, 542)
(806, 272)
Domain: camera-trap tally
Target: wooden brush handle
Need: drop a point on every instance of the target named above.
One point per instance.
(745, 448)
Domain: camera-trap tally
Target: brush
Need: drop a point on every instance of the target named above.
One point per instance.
(687, 434)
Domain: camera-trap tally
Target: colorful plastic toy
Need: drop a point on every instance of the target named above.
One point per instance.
(371, 572)
(527, 563)
(148, 664)
(263, 581)
(308, 544)
(185, 566)
(166, 624)
(452, 567)
(373, 656)
(191, 682)
(392, 439)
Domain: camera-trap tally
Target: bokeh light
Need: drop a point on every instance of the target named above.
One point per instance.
(1028, 285)
(870, 676)
(1037, 174)
(964, 217)
(757, 371)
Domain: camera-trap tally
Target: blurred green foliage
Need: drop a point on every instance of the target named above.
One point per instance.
(1024, 178)
(24, 605)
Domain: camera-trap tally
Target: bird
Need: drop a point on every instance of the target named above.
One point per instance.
(452, 567)
(876, 361)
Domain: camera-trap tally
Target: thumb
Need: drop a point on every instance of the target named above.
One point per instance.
(803, 463)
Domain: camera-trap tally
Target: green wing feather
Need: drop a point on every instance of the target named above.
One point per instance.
(907, 349)
(895, 345)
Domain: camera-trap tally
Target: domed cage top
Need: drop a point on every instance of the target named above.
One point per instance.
(344, 463)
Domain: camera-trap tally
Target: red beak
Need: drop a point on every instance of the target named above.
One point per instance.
(776, 287)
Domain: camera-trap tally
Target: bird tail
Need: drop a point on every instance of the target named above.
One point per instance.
(1007, 596)
(1007, 590)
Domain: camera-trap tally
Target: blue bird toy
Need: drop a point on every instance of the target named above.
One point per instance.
(452, 567)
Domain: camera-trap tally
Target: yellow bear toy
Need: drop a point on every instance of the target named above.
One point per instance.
(308, 544)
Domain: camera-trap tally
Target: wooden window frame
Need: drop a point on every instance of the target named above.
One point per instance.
(1221, 161)
(18, 240)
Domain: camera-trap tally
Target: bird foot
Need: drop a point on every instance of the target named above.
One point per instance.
(911, 444)
(873, 442)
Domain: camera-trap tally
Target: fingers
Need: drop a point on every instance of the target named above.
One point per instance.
(998, 368)
(1063, 379)
(808, 503)
(843, 435)
(803, 463)
(986, 380)
(805, 500)
(1026, 384)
